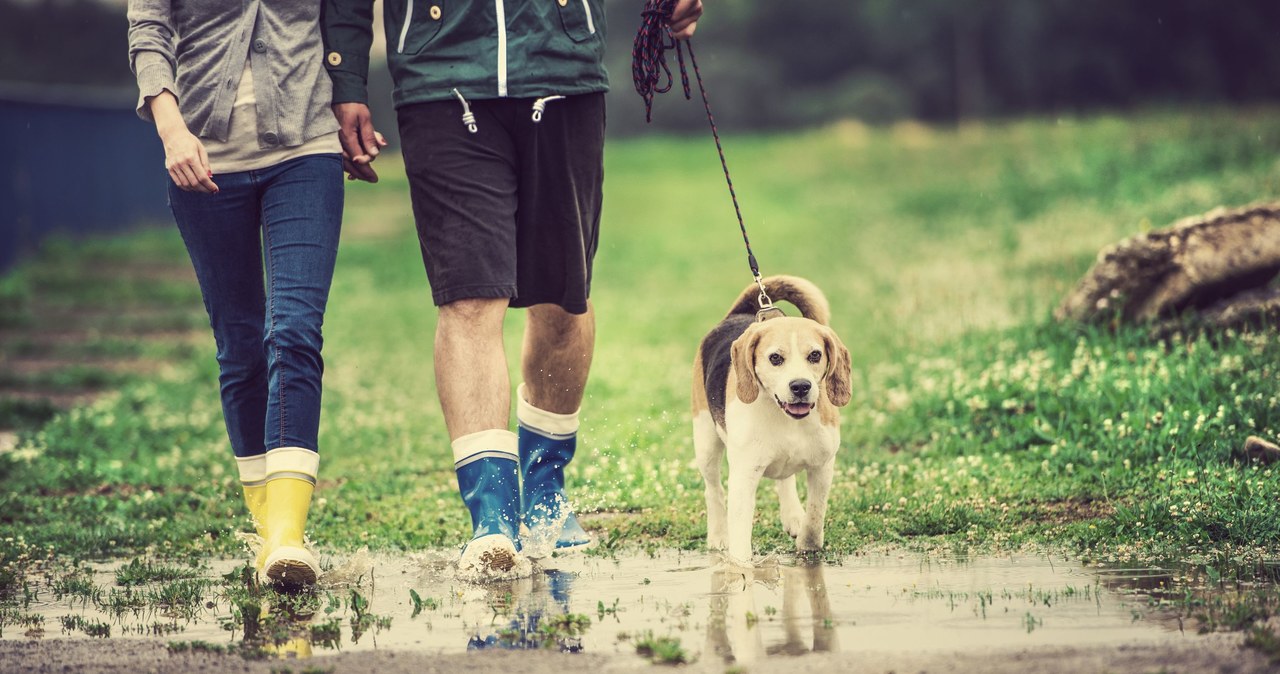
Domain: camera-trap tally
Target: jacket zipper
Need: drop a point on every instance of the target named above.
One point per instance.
(404, 30)
(591, 24)
(501, 12)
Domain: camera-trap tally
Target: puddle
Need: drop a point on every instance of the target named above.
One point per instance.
(677, 605)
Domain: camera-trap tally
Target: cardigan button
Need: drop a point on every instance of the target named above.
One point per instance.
(335, 59)
(435, 12)
(270, 138)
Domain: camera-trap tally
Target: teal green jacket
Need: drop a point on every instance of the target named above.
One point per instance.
(484, 48)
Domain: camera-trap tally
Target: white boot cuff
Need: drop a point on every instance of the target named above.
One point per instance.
(296, 462)
(497, 443)
(253, 470)
(548, 424)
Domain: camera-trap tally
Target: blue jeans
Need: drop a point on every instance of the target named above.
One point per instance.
(283, 220)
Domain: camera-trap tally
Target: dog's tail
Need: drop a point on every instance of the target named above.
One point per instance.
(800, 292)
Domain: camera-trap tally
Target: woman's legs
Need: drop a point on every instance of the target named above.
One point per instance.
(284, 219)
(223, 238)
(301, 218)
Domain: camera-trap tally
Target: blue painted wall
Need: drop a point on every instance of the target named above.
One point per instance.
(75, 162)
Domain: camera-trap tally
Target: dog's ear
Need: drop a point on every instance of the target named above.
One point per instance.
(839, 369)
(743, 355)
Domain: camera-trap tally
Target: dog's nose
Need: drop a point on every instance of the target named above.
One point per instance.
(800, 387)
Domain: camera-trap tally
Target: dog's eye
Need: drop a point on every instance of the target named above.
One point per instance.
(775, 358)
(815, 356)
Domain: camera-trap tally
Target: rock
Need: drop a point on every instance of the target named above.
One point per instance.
(1259, 450)
(1197, 262)
(1257, 309)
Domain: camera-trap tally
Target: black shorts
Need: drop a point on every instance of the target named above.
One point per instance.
(513, 210)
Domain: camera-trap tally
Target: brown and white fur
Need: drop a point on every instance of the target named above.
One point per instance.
(766, 393)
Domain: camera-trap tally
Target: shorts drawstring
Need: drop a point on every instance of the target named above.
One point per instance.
(540, 105)
(468, 117)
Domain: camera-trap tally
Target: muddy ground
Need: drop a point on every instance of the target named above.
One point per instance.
(1222, 653)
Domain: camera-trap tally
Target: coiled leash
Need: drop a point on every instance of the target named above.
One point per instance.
(648, 66)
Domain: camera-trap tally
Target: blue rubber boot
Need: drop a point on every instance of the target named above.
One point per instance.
(488, 480)
(547, 443)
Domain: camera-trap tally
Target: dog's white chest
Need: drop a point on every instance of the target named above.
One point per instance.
(782, 446)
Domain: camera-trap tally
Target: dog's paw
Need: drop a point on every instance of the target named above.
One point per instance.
(729, 579)
(810, 540)
(793, 524)
(717, 539)
(808, 556)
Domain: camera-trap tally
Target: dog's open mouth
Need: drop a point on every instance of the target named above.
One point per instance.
(795, 410)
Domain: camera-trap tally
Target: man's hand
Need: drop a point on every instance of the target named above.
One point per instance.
(360, 143)
(684, 18)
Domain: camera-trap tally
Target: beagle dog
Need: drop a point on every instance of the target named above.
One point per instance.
(766, 392)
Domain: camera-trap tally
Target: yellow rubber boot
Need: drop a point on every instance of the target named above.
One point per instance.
(253, 480)
(286, 561)
(255, 497)
(291, 476)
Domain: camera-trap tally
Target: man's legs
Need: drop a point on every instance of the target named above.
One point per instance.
(555, 361)
(558, 234)
(474, 390)
(507, 216)
(556, 357)
(471, 366)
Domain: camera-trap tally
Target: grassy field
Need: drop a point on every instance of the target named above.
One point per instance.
(977, 423)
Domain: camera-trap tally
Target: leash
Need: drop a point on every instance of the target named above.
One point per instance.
(648, 66)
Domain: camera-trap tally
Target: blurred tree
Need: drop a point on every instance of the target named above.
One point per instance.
(771, 64)
(83, 42)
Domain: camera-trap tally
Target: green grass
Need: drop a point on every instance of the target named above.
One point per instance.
(82, 317)
(662, 650)
(976, 421)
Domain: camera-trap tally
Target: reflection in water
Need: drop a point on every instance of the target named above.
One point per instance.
(531, 613)
(285, 628)
(733, 627)
(890, 601)
(285, 625)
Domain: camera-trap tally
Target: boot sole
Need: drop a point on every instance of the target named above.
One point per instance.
(492, 554)
(498, 560)
(291, 568)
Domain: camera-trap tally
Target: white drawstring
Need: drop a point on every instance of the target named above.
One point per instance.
(468, 117)
(540, 105)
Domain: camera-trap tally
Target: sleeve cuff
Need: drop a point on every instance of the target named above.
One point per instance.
(350, 77)
(154, 76)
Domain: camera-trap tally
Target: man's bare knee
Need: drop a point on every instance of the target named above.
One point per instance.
(554, 317)
(474, 311)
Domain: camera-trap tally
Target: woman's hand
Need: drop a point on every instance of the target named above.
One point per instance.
(184, 154)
